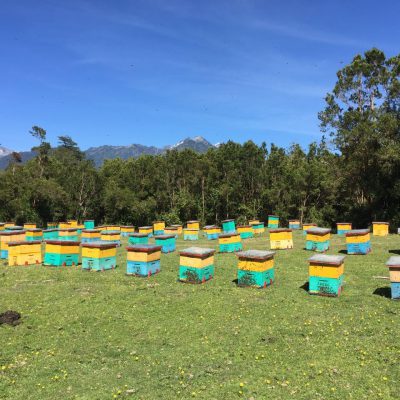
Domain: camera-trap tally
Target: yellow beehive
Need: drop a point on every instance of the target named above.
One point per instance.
(24, 253)
(254, 222)
(91, 251)
(179, 227)
(34, 234)
(147, 230)
(111, 228)
(29, 225)
(9, 224)
(158, 227)
(7, 237)
(68, 233)
(308, 225)
(247, 264)
(111, 236)
(232, 238)
(380, 228)
(2, 226)
(64, 225)
(193, 225)
(366, 237)
(126, 230)
(171, 230)
(73, 223)
(281, 239)
(143, 254)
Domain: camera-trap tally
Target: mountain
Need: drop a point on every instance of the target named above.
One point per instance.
(197, 143)
(25, 156)
(4, 151)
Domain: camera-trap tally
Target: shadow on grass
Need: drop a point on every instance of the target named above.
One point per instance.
(236, 282)
(305, 286)
(343, 251)
(395, 251)
(383, 291)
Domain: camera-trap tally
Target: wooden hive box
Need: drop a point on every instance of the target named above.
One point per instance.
(64, 225)
(190, 234)
(50, 234)
(245, 231)
(90, 235)
(68, 234)
(196, 265)
(380, 228)
(254, 222)
(34, 234)
(194, 224)
(171, 230)
(126, 230)
(61, 253)
(212, 232)
(88, 224)
(8, 224)
(281, 239)
(343, 227)
(143, 260)
(273, 221)
(138, 238)
(30, 225)
(7, 237)
(111, 237)
(308, 225)
(228, 226)
(24, 253)
(99, 256)
(158, 227)
(148, 230)
(318, 239)
(256, 268)
(294, 224)
(259, 228)
(394, 275)
(358, 241)
(179, 227)
(230, 242)
(326, 274)
(73, 223)
(167, 243)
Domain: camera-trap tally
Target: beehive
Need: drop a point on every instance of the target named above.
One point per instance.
(24, 252)
(194, 224)
(294, 224)
(245, 231)
(256, 268)
(228, 226)
(308, 225)
(34, 234)
(73, 223)
(113, 228)
(230, 242)
(326, 274)
(254, 222)
(143, 259)
(273, 221)
(196, 265)
(318, 239)
(258, 227)
(111, 237)
(212, 232)
(7, 237)
(50, 234)
(179, 227)
(52, 225)
(14, 228)
(148, 230)
(190, 234)
(138, 238)
(90, 235)
(64, 225)
(68, 234)
(343, 228)
(61, 253)
(171, 230)
(99, 256)
(8, 224)
(358, 241)
(380, 228)
(167, 243)
(281, 239)
(29, 225)
(2, 226)
(394, 275)
(158, 227)
(88, 224)
(126, 230)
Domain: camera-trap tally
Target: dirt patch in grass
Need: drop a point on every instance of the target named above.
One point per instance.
(10, 317)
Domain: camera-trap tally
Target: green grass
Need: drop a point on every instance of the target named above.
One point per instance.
(88, 335)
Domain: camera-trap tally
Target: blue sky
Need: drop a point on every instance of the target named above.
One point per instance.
(156, 71)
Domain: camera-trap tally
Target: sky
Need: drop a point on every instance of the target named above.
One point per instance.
(154, 71)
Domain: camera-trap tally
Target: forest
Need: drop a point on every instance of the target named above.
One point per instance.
(351, 174)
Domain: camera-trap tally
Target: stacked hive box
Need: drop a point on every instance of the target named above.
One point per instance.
(196, 265)
(167, 243)
(99, 256)
(228, 226)
(294, 224)
(113, 228)
(281, 239)
(34, 234)
(61, 253)
(111, 237)
(2, 226)
(258, 227)
(8, 224)
(254, 222)
(171, 230)
(158, 227)
(256, 268)
(64, 225)
(90, 235)
(326, 274)
(127, 230)
(24, 252)
(148, 230)
(143, 260)
(308, 225)
(380, 228)
(190, 234)
(212, 232)
(193, 225)
(52, 225)
(245, 231)
(29, 225)
(88, 224)
(273, 221)
(318, 239)
(230, 242)
(394, 274)
(50, 234)
(179, 227)
(73, 223)
(358, 241)
(138, 238)
(343, 228)
(7, 237)
(68, 234)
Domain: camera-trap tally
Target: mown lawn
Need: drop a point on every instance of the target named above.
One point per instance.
(105, 335)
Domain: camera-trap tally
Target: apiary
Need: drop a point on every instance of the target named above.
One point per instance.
(380, 228)
(88, 224)
(281, 239)
(190, 234)
(143, 259)
(294, 224)
(61, 253)
(68, 234)
(167, 243)
(50, 234)
(138, 238)
(158, 227)
(171, 230)
(30, 225)
(230, 242)
(394, 275)
(318, 239)
(33, 234)
(90, 235)
(7, 237)
(228, 226)
(196, 265)
(212, 232)
(308, 225)
(127, 230)
(111, 237)
(24, 252)
(358, 241)
(193, 225)
(326, 274)
(273, 221)
(343, 227)
(99, 256)
(256, 268)
(245, 231)
(179, 227)
(148, 230)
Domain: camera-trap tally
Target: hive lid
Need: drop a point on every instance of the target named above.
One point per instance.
(310, 223)
(88, 220)
(228, 220)
(11, 233)
(63, 242)
(68, 229)
(343, 223)
(272, 215)
(33, 230)
(100, 244)
(378, 222)
(394, 261)
(357, 232)
(256, 254)
(158, 222)
(140, 235)
(91, 231)
(176, 226)
(110, 232)
(210, 227)
(144, 248)
(172, 228)
(145, 227)
(294, 220)
(164, 237)
(127, 226)
(197, 252)
(193, 221)
(279, 230)
(318, 231)
(24, 242)
(51, 230)
(228, 235)
(326, 259)
(15, 228)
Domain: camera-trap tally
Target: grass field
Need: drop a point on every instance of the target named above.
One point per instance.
(88, 335)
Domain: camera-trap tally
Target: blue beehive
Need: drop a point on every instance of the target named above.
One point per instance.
(50, 234)
(358, 241)
(228, 226)
(394, 275)
(138, 238)
(196, 265)
(143, 260)
(167, 243)
(99, 256)
(318, 239)
(88, 224)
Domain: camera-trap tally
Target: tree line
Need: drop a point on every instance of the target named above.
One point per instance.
(352, 174)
